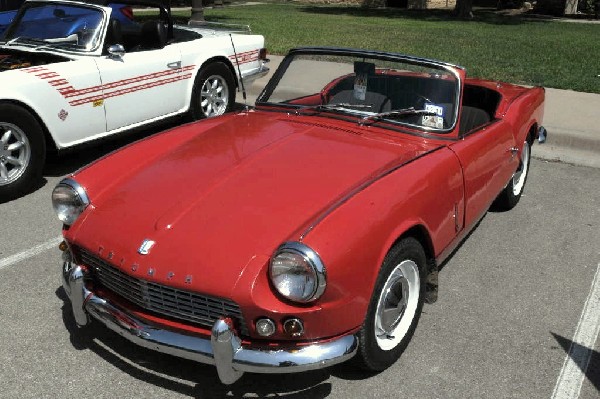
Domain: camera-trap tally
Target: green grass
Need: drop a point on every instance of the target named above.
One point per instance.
(547, 53)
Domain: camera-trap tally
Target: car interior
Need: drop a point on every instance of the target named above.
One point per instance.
(395, 92)
(150, 35)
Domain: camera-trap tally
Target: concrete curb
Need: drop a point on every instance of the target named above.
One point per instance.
(572, 121)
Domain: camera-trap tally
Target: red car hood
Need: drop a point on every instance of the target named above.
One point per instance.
(214, 199)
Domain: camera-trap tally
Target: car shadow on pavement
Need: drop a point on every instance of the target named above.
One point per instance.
(592, 369)
(70, 160)
(185, 376)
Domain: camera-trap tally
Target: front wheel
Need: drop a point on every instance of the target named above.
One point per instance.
(22, 151)
(510, 196)
(213, 93)
(395, 306)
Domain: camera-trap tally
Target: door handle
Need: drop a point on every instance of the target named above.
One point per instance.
(174, 65)
(513, 151)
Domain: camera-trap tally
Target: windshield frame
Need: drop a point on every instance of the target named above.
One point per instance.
(96, 46)
(456, 71)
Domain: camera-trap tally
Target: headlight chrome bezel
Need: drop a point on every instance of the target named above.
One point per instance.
(78, 197)
(311, 259)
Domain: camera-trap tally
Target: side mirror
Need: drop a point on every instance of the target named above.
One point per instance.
(116, 51)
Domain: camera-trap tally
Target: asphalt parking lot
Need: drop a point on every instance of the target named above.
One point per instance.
(516, 301)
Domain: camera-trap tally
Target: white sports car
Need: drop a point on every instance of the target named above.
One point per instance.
(74, 71)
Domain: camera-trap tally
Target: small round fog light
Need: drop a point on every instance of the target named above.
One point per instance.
(265, 327)
(293, 327)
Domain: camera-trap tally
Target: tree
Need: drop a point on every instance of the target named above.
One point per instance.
(197, 11)
(463, 9)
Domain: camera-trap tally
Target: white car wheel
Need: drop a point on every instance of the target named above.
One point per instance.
(395, 306)
(518, 180)
(214, 96)
(214, 92)
(511, 194)
(15, 153)
(22, 151)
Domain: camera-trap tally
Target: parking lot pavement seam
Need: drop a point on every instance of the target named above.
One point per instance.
(21, 256)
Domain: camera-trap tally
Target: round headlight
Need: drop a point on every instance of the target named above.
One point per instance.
(69, 199)
(297, 272)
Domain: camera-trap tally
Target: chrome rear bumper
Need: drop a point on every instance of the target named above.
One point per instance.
(224, 349)
(254, 74)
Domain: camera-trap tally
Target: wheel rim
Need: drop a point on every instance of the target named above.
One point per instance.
(214, 96)
(521, 173)
(15, 153)
(397, 305)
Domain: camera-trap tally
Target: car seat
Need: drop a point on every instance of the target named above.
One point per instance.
(153, 35)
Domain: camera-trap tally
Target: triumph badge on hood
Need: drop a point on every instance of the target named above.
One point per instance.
(146, 247)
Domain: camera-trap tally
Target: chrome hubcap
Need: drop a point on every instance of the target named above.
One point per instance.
(397, 305)
(521, 173)
(15, 153)
(214, 96)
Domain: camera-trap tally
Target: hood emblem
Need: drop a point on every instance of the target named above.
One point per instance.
(146, 247)
(62, 115)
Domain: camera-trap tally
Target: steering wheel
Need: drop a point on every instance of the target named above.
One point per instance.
(411, 98)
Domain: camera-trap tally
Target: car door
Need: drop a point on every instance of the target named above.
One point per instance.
(489, 160)
(141, 86)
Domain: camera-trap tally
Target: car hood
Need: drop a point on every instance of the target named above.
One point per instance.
(15, 58)
(223, 192)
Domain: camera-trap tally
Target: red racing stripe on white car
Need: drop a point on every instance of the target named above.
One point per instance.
(103, 91)
(127, 90)
(244, 58)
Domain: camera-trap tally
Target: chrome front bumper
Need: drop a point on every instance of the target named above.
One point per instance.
(224, 349)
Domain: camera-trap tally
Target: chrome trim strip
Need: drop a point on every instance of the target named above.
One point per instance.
(223, 349)
(372, 53)
(77, 188)
(258, 73)
(313, 258)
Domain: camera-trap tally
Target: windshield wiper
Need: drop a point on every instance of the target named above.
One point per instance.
(26, 40)
(332, 106)
(397, 113)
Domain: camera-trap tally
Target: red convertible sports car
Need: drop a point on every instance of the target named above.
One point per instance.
(306, 231)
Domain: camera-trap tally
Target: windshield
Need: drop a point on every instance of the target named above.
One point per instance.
(372, 87)
(56, 25)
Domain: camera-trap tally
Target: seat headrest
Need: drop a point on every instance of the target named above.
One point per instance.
(154, 35)
(113, 34)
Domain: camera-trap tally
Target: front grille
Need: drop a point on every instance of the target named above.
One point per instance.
(195, 308)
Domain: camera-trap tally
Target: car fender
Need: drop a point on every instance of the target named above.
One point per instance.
(354, 238)
(525, 112)
(23, 97)
(244, 44)
(44, 90)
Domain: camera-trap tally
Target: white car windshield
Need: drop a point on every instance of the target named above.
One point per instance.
(56, 25)
(372, 87)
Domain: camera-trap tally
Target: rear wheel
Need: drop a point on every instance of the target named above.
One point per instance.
(510, 196)
(22, 151)
(214, 91)
(395, 306)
